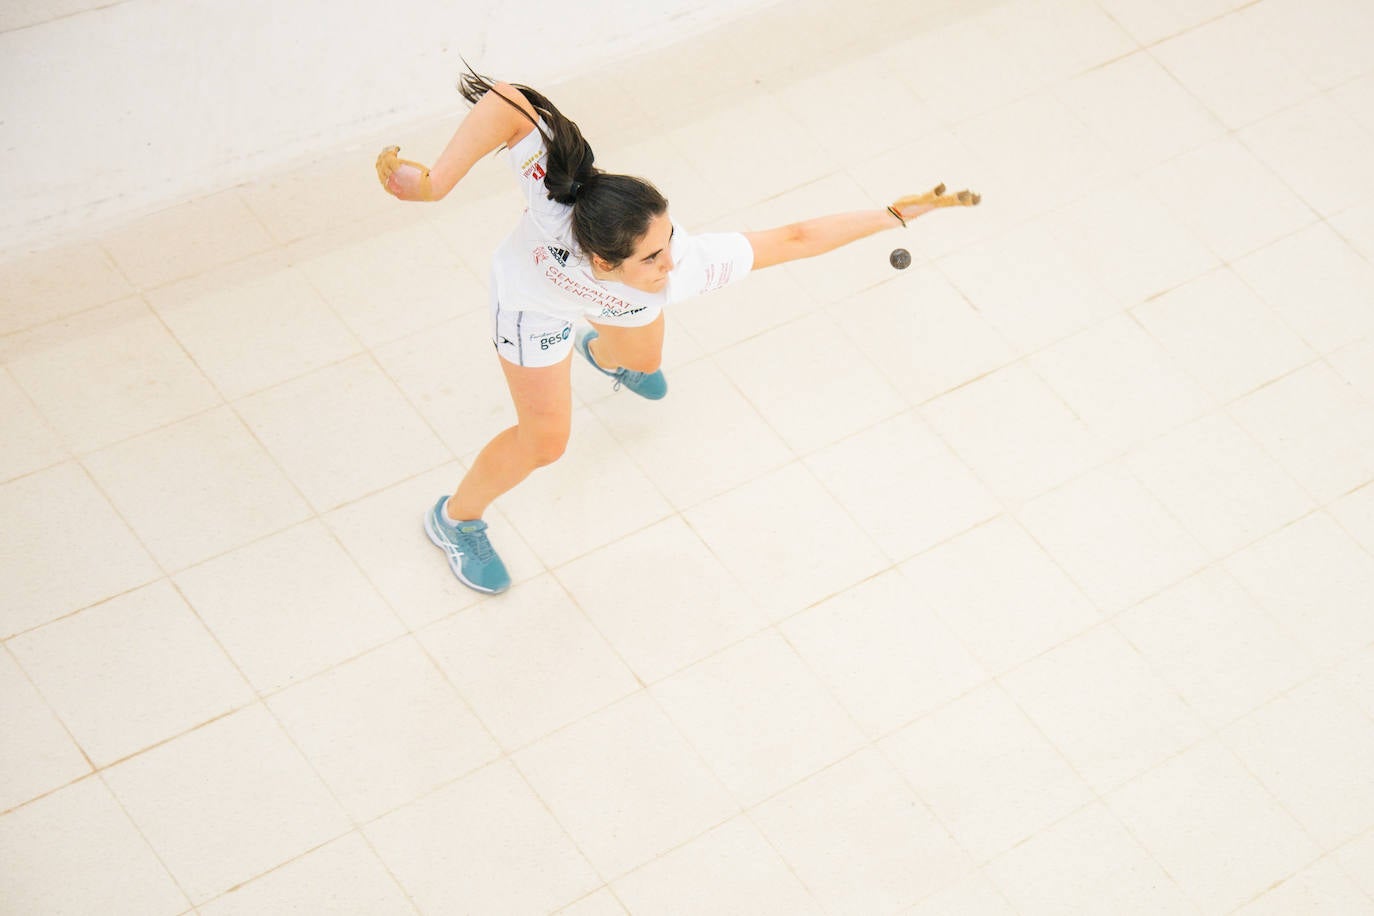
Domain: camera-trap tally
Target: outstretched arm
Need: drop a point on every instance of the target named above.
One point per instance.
(491, 124)
(817, 236)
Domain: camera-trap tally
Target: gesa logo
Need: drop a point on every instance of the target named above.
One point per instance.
(551, 340)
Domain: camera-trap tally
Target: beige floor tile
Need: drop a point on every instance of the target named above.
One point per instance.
(27, 442)
(1004, 619)
(226, 802)
(336, 190)
(197, 488)
(1356, 676)
(565, 511)
(1213, 644)
(390, 284)
(45, 576)
(46, 285)
(473, 224)
(975, 894)
(904, 486)
(1213, 827)
(81, 831)
(828, 106)
(1113, 537)
(1354, 98)
(1121, 383)
(786, 540)
(107, 374)
(758, 716)
(1236, 66)
(186, 239)
(1355, 364)
(453, 377)
(1150, 21)
(702, 441)
(988, 774)
(1061, 37)
(1139, 111)
(253, 325)
(1357, 858)
(1356, 224)
(739, 142)
(344, 877)
(1043, 149)
(625, 785)
(131, 672)
(1224, 335)
(342, 432)
(746, 878)
(1087, 863)
(1311, 749)
(1219, 484)
(487, 841)
(600, 903)
(1317, 427)
(1029, 283)
(1015, 433)
(1355, 513)
(1230, 199)
(383, 729)
(1326, 40)
(1319, 150)
(963, 68)
(289, 606)
(1134, 258)
(831, 388)
(528, 662)
(39, 754)
(921, 333)
(859, 838)
(384, 533)
(1127, 723)
(1316, 581)
(1320, 285)
(883, 654)
(1321, 888)
(662, 599)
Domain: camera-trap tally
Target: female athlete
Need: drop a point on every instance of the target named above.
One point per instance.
(590, 266)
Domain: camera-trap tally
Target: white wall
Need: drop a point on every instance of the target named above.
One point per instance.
(110, 111)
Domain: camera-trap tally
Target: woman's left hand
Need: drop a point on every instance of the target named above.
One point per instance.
(914, 205)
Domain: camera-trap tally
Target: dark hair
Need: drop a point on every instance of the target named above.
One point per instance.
(610, 213)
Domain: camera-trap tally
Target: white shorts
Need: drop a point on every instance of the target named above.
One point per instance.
(537, 339)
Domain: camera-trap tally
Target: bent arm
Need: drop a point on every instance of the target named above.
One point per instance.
(491, 124)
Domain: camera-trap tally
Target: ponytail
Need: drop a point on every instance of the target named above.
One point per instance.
(610, 212)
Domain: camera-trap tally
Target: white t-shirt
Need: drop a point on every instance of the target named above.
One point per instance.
(538, 267)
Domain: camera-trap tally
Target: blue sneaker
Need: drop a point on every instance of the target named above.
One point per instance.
(470, 554)
(651, 385)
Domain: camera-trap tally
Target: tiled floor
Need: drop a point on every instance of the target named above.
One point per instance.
(1038, 578)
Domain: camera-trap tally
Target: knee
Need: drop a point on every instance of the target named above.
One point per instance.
(545, 447)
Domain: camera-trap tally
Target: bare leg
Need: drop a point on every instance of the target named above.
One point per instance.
(637, 349)
(543, 408)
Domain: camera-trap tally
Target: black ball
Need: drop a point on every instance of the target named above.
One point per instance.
(900, 258)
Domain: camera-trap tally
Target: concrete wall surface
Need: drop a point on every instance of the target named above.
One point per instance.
(113, 110)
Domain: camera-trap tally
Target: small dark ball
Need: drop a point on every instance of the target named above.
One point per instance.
(900, 258)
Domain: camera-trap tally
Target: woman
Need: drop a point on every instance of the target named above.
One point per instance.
(591, 247)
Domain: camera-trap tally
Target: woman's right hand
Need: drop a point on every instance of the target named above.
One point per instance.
(402, 178)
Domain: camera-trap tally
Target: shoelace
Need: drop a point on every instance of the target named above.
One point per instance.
(626, 375)
(476, 542)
